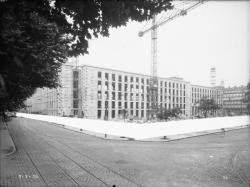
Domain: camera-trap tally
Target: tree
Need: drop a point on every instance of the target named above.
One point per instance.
(166, 114)
(207, 105)
(37, 37)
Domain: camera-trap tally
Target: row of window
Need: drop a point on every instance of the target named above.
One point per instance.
(137, 96)
(119, 105)
(137, 80)
(106, 88)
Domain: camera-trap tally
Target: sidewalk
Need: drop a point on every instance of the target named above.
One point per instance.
(7, 145)
(147, 131)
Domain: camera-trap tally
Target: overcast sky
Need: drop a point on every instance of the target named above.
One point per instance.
(215, 34)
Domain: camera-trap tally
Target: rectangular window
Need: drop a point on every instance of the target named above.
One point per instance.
(99, 85)
(99, 95)
(113, 77)
(137, 105)
(119, 96)
(120, 78)
(142, 113)
(126, 78)
(119, 87)
(106, 76)
(75, 103)
(131, 79)
(113, 104)
(137, 113)
(125, 105)
(106, 104)
(142, 81)
(113, 113)
(99, 74)
(75, 84)
(137, 79)
(99, 104)
(75, 74)
(75, 94)
(119, 105)
(99, 114)
(131, 104)
(113, 95)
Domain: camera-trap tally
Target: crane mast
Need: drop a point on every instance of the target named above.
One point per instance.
(153, 84)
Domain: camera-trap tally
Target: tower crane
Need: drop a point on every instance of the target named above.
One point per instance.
(180, 8)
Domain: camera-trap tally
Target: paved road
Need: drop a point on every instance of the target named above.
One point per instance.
(48, 155)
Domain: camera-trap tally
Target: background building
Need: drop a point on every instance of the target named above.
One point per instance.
(101, 93)
(234, 100)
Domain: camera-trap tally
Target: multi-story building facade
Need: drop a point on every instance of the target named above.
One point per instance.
(201, 92)
(101, 93)
(234, 100)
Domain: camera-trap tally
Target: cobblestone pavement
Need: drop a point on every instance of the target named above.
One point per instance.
(48, 155)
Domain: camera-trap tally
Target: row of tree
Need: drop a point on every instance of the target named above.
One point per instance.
(205, 106)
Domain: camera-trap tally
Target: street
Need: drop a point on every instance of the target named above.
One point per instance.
(48, 155)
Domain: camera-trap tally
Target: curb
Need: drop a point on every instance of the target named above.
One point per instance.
(11, 142)
(191, 135)
(156, 139)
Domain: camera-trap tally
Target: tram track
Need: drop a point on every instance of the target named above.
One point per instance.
(43, 137)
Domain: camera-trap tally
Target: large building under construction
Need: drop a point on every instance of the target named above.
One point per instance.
(100, 93)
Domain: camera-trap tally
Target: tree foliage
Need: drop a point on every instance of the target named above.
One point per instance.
(207, 105)
(37, 37)
(166, 114)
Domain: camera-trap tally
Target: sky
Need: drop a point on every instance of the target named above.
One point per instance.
(215, 34)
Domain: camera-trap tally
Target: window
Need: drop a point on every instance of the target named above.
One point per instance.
(113, 104)
(75, 104)
(75, 74)
(113, 86)
(119, 105)
(137, 80)
(142, 81)
(75, 94)
(119, 96)
(137, 113)
(106, 104)
(113, 77)
(120, 78)
(106, 76)
(113, 95)
(131, 104)
(137, 97)
(137, 105)
(131, 96)
(99, 104)
(131, 79)
(99, 114)
(125, 105)
(119, 87)
(99, 95)
(75, 84)
(106, 86)
(99, 85)
(99, 74)
(106, 95)
(142, 105)
(113, 113)
(131, 88)
(125, 87)
(125, 96)
(126, 78)
(142, 113)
